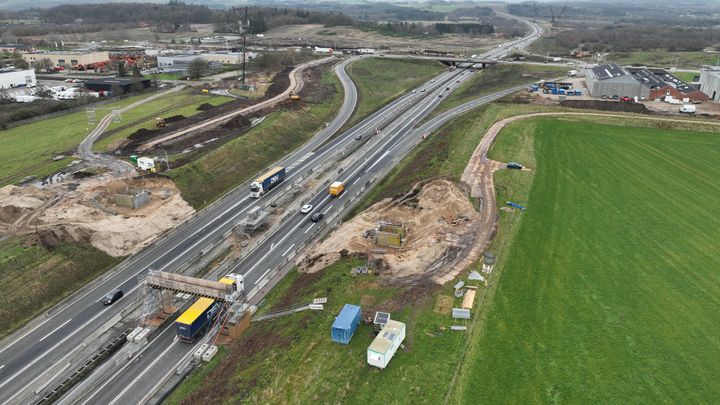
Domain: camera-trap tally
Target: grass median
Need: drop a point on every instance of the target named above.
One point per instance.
(380, 81)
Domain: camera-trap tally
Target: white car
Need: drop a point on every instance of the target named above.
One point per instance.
(306, 208)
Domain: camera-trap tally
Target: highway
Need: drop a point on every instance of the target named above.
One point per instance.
(132, 383)
(26, 355)
(292, 233)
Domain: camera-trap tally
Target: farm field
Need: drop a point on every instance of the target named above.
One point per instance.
(608, 291)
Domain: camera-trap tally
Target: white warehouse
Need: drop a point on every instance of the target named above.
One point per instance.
(386, 343)
(18, 78)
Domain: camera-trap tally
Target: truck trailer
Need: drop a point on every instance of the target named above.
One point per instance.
(337, 188)
(196, 319)
(267, 181)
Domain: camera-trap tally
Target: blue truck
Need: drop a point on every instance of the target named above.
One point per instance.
(267, 181)
(197, 319)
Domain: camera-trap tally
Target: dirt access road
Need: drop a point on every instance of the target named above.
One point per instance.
(478, 174)
(85, 147)
(296, 84)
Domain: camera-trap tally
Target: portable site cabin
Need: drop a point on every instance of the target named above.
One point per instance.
(345, 323)
(386, 343)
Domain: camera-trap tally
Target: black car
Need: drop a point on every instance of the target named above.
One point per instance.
(316, 217)
(111, 297)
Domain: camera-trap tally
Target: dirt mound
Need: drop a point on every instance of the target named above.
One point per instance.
(205, 107)
(143, 134)
(237, 122)
(175, 118)
(90, 213)
(638, 108)
(440, 223)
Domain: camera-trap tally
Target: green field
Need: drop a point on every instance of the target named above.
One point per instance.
(32, 278)
(608, 292)
(379, 81)
(185, 102)
(28, 149)
(219, 170)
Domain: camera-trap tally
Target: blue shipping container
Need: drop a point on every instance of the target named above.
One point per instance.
(346, 323)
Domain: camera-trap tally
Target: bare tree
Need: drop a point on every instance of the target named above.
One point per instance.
(44, 64)
(196, 68)
(20, 63)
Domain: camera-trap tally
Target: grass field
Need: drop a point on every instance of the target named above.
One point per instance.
(379, 81)
(186, 103)
(687, 76)
(216, 172)
(32, 279)
(28, 149)
(609, 290)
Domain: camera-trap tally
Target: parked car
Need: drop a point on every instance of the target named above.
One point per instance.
(306, 208)
(111, 297)
(316, 217)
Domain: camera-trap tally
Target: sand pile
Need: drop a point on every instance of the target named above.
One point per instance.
(439, 218)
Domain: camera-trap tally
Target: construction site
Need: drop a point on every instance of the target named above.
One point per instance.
(416, 237)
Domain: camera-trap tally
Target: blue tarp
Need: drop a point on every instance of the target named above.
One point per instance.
(345, 323)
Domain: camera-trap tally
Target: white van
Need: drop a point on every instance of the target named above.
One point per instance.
(687, 108)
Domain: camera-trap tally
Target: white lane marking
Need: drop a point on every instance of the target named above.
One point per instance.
(377, 161)
(288, 249)
(142, 374)
(55, 330)
(45, 353)
(127, 364)
(272, 246)
(356, 180)
(261, 277)
(306, 231)
(326, 211)
(1, 367)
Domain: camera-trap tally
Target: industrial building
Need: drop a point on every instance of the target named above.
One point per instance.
(68, 59)
(710, 83)
(181, 63)
(612, 80)
(123, 84)
(386, 343)
(17, 78)
(662, 84)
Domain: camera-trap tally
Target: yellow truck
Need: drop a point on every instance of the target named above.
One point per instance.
(337, 188)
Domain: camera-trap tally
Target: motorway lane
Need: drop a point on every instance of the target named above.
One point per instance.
(260, 261)
(293, 232)
(26, 354)
(196, 241)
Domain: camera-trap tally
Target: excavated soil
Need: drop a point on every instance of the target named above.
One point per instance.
(57, 214)
(440, 221)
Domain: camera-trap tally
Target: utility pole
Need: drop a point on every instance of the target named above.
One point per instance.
(244, 27)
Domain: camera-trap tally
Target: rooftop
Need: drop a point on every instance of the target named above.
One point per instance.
(384, 340)
(608, 71)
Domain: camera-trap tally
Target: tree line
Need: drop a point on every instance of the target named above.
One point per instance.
(638, 38)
